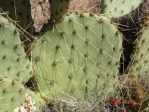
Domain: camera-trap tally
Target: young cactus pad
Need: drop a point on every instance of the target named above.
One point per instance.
(12, 95)
(58, 8)
(79, 58)
(13, 61)
(140, 57)
(119, 8)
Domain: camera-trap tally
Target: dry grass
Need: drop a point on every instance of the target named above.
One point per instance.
(85, 5)
(129, 89)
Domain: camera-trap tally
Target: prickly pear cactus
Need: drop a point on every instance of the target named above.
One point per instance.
(79, 58)
(13, 61)
(18, 10)
(140, 57)
(58, 8)
(119, 8)
(12, 95)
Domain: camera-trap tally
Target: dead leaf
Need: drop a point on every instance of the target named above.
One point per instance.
(40, 11)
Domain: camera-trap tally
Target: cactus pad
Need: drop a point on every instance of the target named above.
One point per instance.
(119, 8)
(12, 95)
(18, 10)
(13, 61)
(58, 8)
(79, 58)
(140, 57)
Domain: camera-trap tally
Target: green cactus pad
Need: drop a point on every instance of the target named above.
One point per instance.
(13, 61)
(140, 57)
(79, 58)
(58, 8)
(119, 8)
(12, 95)
(18, 10)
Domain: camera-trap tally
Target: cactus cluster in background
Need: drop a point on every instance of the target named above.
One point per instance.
(77, 59)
